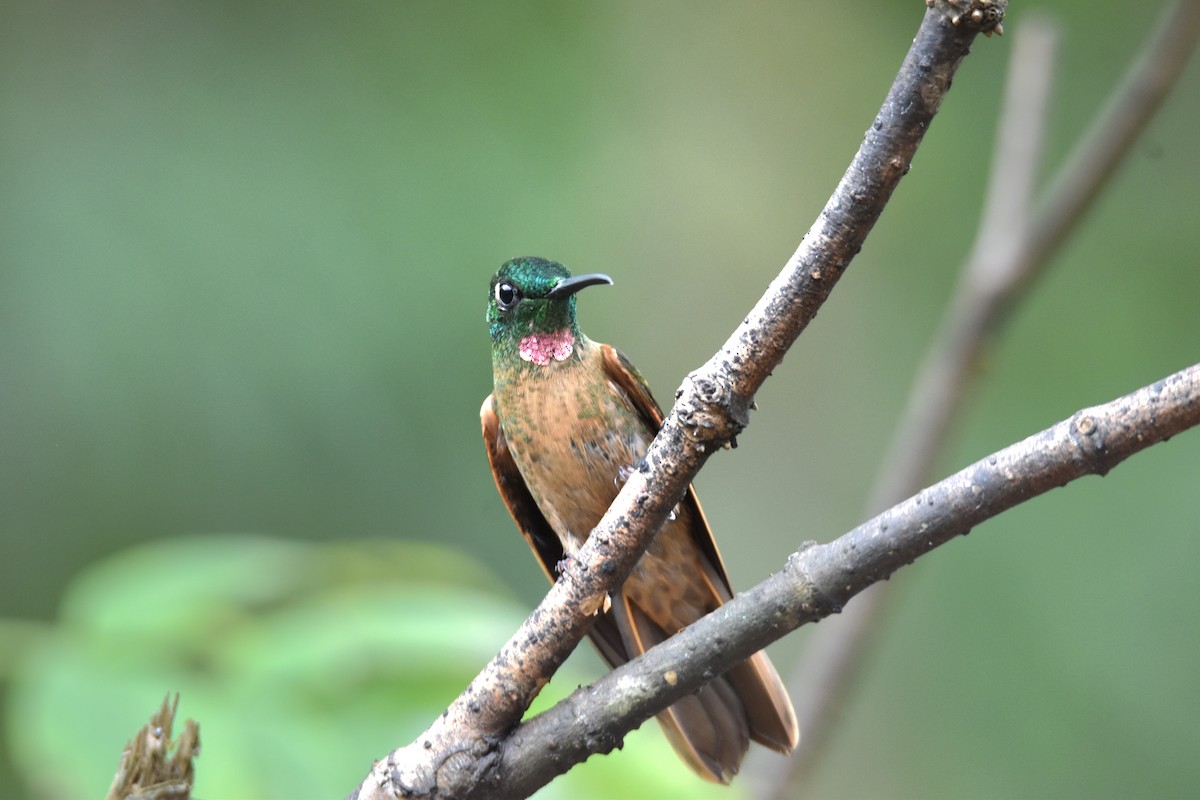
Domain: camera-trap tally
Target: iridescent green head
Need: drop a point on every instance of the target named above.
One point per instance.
(531, 308)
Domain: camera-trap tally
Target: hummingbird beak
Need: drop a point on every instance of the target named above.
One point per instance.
(569, 286)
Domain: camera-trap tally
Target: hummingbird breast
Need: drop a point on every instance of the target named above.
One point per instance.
(575, 436)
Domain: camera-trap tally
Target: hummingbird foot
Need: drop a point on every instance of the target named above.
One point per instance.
(563, 565)
(622, 475)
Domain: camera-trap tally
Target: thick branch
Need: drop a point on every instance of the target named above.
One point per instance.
(820, 579)
(457, 753)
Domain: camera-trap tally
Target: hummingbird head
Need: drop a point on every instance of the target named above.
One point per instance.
(531, 304)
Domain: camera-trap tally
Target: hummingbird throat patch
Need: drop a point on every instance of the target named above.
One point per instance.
(540, 348)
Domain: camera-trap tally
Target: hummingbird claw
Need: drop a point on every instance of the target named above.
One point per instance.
(622, 475)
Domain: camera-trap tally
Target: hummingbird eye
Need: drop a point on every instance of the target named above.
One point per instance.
(507, 295)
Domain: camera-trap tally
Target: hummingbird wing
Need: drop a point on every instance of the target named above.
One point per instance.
(755, 682)
(536, 529)
(626, 376)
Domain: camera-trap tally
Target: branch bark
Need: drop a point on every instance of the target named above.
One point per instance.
(459, 753)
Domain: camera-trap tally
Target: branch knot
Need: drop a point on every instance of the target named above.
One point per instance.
(1090, 438)
(710, 411)
(981, 16)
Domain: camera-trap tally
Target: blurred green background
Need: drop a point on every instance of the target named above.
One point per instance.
(244, 251)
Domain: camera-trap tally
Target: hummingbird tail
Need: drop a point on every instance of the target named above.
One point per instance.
(711, 730)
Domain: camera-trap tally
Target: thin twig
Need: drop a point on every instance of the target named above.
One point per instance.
(1108, 140)
(456, 755)
(945, 374)
(1013, 247)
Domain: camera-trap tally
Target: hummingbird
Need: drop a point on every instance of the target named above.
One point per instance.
(567, 422)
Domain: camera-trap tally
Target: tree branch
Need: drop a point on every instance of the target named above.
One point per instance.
(820, 579)
(458, 753)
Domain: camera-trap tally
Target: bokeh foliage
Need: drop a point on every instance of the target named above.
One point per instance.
(243, 256)
(303, 660)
